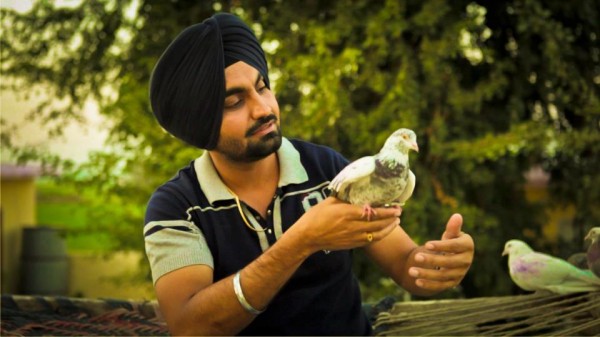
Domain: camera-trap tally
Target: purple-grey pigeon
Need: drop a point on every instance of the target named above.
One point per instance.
(533, 271)
(380, 180)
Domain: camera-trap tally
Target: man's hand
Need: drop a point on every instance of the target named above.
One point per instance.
(442, 264)
(336, 225)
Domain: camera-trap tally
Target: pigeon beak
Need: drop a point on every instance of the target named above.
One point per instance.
(414, 146)
(505, 252)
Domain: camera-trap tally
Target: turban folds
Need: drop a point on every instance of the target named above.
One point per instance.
(187, 87)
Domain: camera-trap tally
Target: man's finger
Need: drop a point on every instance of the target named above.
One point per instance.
(433, 274)
(452, 260)
(435, 285)
(463, 243)
(453, 227)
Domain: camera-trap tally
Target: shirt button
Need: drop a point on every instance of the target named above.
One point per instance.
(257, 217)
(269, 212)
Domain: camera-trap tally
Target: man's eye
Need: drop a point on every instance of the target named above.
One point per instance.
(233, 105)
(262, 89)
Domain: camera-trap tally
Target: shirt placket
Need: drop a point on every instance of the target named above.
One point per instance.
(271, 225)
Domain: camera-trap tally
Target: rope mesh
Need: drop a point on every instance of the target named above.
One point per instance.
(521, 315)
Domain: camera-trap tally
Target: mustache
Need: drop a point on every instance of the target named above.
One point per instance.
(259, 123)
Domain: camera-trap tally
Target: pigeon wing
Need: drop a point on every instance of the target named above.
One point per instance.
(357, 170)
(408, 190)
(526, 271)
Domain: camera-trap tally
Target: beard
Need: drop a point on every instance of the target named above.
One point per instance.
(249, 150)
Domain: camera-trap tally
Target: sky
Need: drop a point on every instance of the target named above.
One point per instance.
(78, 140)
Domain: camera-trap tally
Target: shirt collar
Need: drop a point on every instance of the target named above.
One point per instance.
(292, 172)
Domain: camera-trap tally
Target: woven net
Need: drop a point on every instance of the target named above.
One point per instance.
(522, 315)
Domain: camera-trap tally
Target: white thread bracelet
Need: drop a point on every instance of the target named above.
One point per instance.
(237, 288)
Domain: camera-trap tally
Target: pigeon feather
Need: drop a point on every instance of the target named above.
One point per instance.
(534, 271)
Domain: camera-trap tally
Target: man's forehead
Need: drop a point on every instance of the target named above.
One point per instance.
(239, 73)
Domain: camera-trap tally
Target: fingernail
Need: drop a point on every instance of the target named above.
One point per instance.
(413, 272)
(419, 283)
(429, 246)
(419, 258)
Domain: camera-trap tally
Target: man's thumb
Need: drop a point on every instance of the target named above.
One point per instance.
(453, 227)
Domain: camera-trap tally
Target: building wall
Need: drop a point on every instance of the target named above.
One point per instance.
(92, 275)
(18, 207)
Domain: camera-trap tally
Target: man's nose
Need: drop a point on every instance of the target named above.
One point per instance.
(259, 107)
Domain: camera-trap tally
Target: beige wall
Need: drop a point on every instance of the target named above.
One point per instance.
(18, 204)
(94, 276)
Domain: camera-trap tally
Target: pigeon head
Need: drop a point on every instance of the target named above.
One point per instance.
(593, 235)
(516, 247)
(403, 140)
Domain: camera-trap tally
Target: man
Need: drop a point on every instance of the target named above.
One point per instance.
(244, 240)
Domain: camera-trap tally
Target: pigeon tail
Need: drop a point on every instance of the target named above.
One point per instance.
(588, 277)
(569, 289)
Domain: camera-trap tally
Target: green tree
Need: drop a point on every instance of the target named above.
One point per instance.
(491, 88)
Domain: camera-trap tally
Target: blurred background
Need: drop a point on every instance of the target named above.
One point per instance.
(503, 95)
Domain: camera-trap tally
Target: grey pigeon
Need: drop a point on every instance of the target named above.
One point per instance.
(380, 180)
(533, 271)
(593, 252)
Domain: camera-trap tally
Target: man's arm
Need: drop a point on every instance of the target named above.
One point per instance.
(425, 270)
(193, 305)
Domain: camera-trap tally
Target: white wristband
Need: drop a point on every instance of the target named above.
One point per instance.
(237, 288)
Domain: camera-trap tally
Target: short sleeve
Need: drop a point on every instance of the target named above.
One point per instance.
(171, 245)
(172, 239)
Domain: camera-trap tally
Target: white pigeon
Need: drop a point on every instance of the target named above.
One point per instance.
(533, 271)
(380, 180)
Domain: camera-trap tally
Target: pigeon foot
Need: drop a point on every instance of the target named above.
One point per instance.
(368, 211)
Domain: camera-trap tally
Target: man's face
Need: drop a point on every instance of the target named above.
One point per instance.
(250, 130)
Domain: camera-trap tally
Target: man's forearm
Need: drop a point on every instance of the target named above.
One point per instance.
(215, 310)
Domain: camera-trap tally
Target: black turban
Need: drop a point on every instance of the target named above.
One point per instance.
(187, 87)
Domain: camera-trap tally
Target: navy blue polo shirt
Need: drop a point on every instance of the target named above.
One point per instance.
(194, 219)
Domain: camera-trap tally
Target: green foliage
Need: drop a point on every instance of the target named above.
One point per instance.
(491, 88)
(63, 208)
